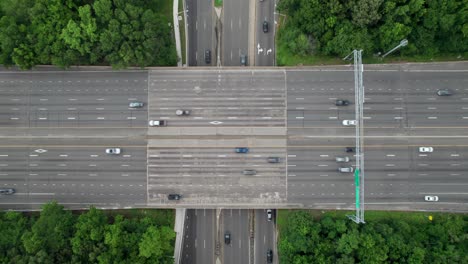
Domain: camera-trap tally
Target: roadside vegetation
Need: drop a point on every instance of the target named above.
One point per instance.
(58, 236)
(324, 31)
(120, 33)
(387, 237)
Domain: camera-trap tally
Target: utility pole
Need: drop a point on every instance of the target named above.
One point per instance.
(359, 112)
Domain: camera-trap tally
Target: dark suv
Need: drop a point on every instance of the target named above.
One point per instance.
(341, 102)
(7, 191)
(174, 197)
(227, 238)
(265, 26)
(207, 56)
(269, 256)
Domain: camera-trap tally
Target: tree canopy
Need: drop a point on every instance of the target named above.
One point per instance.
(58, 236)
(75, 32)
(304, 239)
(336, 27)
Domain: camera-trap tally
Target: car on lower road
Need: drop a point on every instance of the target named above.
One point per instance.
(269, 214)
(242, 150)
(269, 256)
(349, 122)
(207, 56)
(431, 198)
(265, 26)
(7, 191)
(243, 60)
(227, 238)
(113, 151)
(426, 149)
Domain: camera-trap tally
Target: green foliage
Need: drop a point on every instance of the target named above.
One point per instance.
(69, 32)
(336, 27)
(58, 236)
(335, 239)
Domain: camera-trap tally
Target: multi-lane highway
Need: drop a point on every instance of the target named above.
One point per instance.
(55, 128)
(57, 125)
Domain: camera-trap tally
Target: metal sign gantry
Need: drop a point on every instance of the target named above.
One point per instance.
(359, 112)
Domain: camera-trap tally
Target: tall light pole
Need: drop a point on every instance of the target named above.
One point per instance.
(403, 43)
(359, 112)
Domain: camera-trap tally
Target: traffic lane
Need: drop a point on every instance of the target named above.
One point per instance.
(265, 41)
(235, 32)
(192, 33)
(205, 236)
(205, 32)
(239, 78)
(264, 233)
(236, 223)
(189, 253)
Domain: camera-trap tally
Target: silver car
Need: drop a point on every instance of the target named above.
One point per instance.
(345, 169)
(249, 172)
(342, 159)
(426, 149)
(136, 104)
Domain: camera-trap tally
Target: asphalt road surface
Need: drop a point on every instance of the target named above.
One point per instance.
(200, 237)
(75, 115)
(265, 41)
(265, 236)
(55, 127)
(235, 28)
(201, 34)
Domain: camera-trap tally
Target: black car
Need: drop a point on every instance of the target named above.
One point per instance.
(207, 56)
(227, 238)
(349, 149)
(7, 191)
(341, 102)
(174, 196)
(265, 26)
(269, 256)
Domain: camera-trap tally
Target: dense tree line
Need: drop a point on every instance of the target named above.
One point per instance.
(58, 236)
(120, 33)
(336, 27)
(304, 240)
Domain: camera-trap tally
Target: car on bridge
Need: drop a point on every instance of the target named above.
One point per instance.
(444, 92)
(113, 151)
(426, 149)
(242, 150)
(341, 102)
(431, 198)
(349, 122)
(159, 123)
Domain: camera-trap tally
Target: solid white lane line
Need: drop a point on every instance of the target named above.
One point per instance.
(323, 165)
(299, 117)
(71, 118)
(131, 117)
(432, 117)
(454, 155)
(100, 117)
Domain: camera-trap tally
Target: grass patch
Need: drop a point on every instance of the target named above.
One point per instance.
(285, 58)
(218, 3)
(370, 216)
(163, 7)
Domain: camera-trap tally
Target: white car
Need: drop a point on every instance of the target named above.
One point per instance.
(113, 151)
(426, 149)
(430, 198)
(349, 122)
(157, 123)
